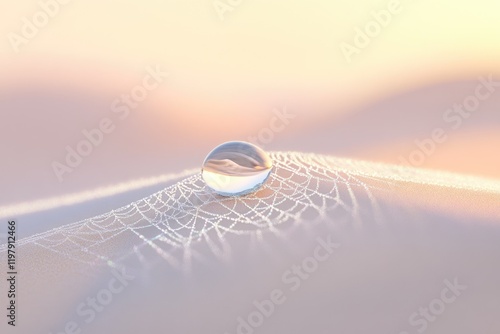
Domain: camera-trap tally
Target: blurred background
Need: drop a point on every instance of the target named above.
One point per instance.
(372, 80)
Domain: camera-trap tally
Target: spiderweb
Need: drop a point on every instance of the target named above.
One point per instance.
(169, 223)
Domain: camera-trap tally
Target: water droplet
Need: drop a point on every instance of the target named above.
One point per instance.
(236, 168)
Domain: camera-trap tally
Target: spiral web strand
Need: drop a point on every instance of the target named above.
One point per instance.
(168, 223)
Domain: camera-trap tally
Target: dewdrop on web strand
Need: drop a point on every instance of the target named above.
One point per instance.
(236, 168)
